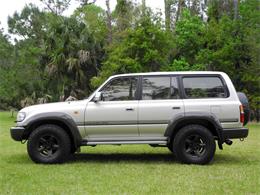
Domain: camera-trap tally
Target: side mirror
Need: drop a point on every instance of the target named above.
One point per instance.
(97, 97)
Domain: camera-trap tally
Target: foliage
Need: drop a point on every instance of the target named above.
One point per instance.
(71, 54)
(144, 48)
(182, 65)
(56, 6)
(55, 56)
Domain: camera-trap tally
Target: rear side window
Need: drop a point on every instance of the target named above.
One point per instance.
(204, 87)
(159, 88)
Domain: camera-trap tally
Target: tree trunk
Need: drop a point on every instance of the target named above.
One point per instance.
(235, 9)
(180, 6)
(167, 13)
(109, 22)
(143, 7)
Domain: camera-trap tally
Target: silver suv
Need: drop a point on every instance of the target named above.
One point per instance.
(188, 112)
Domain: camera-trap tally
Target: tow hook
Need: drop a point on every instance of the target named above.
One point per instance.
(228, 142)
(23, 141)
(241, 139)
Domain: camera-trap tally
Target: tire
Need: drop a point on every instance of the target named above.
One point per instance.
(194, 144)
(49, 144)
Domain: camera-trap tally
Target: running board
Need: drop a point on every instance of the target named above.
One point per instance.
(93, 143)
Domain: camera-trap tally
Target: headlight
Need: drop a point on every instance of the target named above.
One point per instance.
(20, 116)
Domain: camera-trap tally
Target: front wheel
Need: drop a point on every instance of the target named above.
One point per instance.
(48, 144)
(194, 144)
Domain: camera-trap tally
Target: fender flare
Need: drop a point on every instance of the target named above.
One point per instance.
(181, 118)
(60, 117)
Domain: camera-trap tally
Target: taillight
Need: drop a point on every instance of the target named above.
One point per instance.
(242, 114)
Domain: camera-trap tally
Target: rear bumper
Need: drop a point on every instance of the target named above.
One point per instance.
(235, 133)
(17, 133)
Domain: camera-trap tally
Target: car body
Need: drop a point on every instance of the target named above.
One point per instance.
(143, 108)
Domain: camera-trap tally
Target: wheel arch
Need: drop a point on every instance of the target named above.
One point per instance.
(207, 120)
(60, 119)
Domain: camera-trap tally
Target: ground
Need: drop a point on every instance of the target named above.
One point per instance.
(128, 169)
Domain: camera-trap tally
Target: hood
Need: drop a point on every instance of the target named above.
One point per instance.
(55, 107)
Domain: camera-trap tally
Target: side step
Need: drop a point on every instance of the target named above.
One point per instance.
(93, 143)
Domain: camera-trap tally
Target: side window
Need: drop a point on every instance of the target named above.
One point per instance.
(120, 89)
(158, 88)
(204, 87)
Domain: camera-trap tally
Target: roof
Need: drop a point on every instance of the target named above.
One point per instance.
(169, 73)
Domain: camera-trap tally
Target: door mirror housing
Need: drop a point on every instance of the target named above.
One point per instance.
(97, 97)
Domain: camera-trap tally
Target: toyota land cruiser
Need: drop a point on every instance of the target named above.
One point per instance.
(188, 112)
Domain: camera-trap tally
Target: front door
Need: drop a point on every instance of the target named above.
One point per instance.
(115, 116)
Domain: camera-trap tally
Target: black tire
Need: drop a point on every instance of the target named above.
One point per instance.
(194, 144)
(49, 144)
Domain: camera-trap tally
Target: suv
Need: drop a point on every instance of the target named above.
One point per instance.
(188, 112)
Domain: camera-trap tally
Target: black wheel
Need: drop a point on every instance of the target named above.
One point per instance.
(49, 144)
(194, 144)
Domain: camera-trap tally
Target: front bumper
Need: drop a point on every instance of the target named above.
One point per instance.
(235, 133)
(17, 133)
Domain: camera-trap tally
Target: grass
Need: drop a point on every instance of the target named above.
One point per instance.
(138, 169)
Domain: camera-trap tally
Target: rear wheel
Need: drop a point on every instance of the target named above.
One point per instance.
(49, 144)
(194, 144)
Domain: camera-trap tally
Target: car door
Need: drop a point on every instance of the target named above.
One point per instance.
(115, 116)
(160, 102)
(208, 93)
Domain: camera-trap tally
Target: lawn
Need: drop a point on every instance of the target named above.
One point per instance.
(129, 169)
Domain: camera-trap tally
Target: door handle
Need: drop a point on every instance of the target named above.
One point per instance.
(129, 109)
(176, 108)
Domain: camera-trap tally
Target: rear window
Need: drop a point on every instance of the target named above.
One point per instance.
(204, 87)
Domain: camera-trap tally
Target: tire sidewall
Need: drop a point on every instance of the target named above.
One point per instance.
(179, 145)
(61, 137)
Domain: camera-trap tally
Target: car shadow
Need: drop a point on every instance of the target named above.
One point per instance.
(147, 158)
(119, 157)
(226, 159)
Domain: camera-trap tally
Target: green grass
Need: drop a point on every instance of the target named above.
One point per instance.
(130, 169)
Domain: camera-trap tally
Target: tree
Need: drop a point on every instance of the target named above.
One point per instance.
(57, 7)
(236, 9)
(189, 38)
(72, 54)
(123, 14)
(167, 13)
(86, 2)
(145, 48)
(181, 5)
(109, 23)
(30, 23)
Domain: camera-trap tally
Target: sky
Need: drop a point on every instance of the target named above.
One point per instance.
(7, 8)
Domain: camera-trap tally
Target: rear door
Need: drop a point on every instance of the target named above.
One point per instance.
(208, 93)
(160, 102)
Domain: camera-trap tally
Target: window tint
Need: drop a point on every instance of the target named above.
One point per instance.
(120, 89)
(155, 88)
(203, 87)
